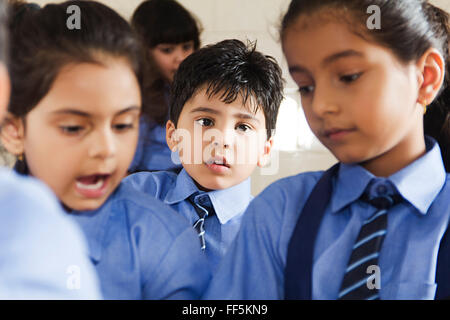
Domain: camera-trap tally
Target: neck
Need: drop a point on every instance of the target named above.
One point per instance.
(401, 155)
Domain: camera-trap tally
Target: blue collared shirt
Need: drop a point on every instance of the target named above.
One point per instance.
(174, 190)
(42, 252)
(254, 266)
(152, 152)
(143, 250)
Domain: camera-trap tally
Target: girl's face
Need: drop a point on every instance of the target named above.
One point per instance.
(168, 57)
(81, 137)
(359, 100)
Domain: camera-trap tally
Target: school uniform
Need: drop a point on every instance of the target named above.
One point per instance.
(42, 252)
(143, 250)
(179, 191)
(152, 152)
(257, 263)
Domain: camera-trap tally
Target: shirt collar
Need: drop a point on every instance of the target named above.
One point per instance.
(421, 181)
(352, 180)
(227, 203)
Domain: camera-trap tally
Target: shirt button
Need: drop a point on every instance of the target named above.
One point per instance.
(381, 190)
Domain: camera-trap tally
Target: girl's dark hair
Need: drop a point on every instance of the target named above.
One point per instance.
(230, 69)
(42, 43)
(156, 22)
(408, 28)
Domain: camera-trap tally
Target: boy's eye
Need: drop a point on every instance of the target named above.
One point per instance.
(350, 77)
(244, 127)
(123, 126)
(204, 122)
(71, 129)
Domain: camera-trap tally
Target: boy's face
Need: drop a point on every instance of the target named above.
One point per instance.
(168, 57)
(81, 137)
(219, 144)
(359, 100)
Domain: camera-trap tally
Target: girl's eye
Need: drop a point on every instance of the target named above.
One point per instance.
(167, 50)
(305, 90)
(188, 46)
(244, 127)
(123, 126)
(205, 122)
(71, 130)
(350, 78)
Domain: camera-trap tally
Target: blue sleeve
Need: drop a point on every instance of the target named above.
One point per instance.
(42, 253)
(253, 267)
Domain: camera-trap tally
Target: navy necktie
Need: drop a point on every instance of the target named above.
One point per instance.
(357, 283)
(204, 209)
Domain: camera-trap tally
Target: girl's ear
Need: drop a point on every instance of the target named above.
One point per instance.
(5, 90)
(171, 136)
(12, 134)
(264, 158)
(431, 68)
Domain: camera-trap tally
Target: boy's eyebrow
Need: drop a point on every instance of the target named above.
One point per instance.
(331, 58)
(248, 116)
(87, 115)
(205, 109)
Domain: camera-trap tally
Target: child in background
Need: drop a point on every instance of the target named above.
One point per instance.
(374, 226)
(224, 109)
(73, 120)
(42, 252)
(169, 34)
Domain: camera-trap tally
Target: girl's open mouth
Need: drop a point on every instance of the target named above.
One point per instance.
(93, 186)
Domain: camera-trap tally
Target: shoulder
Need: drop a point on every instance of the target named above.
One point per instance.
(279, 205)
(143, 210)
(153, 183)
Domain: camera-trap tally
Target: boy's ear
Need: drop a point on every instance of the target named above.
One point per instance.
(5, 88)
(12, 134)
(431, 68)
(171, 135)
(264, 158)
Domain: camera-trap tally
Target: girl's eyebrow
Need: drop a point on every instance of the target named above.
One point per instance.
(87, 115)
(340, 55)
(328, 60)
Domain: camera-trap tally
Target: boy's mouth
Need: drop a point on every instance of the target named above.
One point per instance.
(218, 165)
(92, 186)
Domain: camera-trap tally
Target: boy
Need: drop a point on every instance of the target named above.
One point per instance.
(42, 254)
(225, 103)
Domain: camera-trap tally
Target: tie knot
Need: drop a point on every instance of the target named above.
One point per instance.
(381, 193)
(202, 204)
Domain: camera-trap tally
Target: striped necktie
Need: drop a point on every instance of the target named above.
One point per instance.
(203, 211)
(365, 252)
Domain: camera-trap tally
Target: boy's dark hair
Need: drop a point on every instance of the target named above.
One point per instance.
(42, 43)
(3, 32)
(230, 69)
(156, 22)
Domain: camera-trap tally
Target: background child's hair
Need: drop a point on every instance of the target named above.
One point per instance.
(3, 32)
(408, 28)
(230, 69)
(156, 22)
(41, 44)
